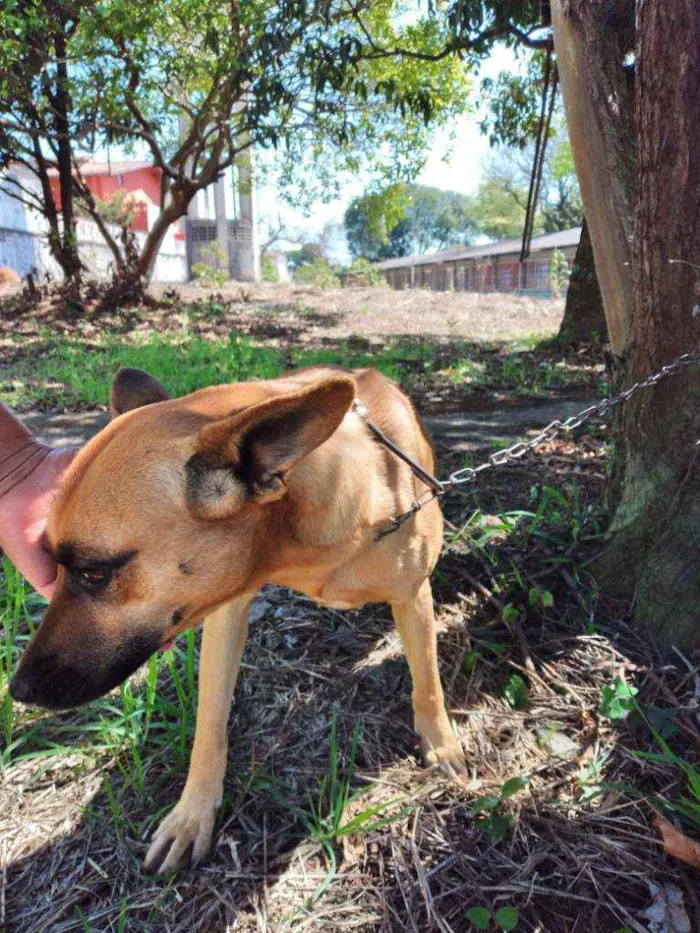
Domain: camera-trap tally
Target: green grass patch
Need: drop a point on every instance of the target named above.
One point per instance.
(63, 370)
(69, 372)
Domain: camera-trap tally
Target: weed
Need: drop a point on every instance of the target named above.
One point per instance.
(324, 818)
(490, 810)
(504, 918)
(619, 701)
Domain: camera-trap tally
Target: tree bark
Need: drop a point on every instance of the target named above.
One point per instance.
(584, 316)
(60, 101)
(654, 547)
(655, 528)
(591, 39)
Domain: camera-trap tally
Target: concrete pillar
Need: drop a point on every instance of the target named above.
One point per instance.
(221, 222)
(248, 264)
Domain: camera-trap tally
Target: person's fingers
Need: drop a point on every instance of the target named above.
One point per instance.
(35, 564)
(24, 521)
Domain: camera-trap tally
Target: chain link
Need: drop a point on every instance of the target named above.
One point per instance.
(438, 488)
(516, 451)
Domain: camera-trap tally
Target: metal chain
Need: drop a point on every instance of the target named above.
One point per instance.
(516, 451)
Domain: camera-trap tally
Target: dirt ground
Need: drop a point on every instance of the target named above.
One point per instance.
(339, 312)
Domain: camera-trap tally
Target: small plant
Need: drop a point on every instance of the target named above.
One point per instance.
(324, 818)
(558, 272)
(212, 268)
(617, 701)
(504, 918)
(515, 692)
(489, 808)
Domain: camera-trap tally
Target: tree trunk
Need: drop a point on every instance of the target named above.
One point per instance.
(591, 39)
(656, 523)
(654, 550)
(178, 199)
(68, 255)
(584, 317)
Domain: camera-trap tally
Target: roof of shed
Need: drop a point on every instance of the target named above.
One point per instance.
(559, 240)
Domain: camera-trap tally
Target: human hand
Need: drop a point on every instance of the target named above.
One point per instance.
(24, 509)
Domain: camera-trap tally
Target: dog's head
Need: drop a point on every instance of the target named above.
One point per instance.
(162, 517)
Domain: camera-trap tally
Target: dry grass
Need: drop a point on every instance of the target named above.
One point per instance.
(296, 312)
(385, 312)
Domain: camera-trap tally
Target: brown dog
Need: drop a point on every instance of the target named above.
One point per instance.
(178, 512)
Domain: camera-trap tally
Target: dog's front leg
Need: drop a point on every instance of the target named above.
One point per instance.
(191, 822)
(415, 620)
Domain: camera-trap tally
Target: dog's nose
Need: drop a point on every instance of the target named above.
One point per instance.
(22, 687)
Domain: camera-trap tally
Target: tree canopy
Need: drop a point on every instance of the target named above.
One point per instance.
(501, 199)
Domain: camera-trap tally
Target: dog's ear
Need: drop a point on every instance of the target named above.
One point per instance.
(134, 388)
(250, 454)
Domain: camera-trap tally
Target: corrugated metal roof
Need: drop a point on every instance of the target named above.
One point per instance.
(558, 240)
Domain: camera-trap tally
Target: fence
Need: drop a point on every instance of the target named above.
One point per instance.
(495, 267)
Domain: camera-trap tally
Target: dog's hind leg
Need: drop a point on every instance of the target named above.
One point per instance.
(189, 825)
(415, 621)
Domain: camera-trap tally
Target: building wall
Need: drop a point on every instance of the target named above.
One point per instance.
(24, 246)
(483, 274)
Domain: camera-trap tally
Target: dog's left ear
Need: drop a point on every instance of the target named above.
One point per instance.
(250, 455)
(134, 388)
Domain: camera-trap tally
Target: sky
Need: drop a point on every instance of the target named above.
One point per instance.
(455, 167)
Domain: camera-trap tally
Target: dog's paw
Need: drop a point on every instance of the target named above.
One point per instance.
(448, 756)
(183, 838)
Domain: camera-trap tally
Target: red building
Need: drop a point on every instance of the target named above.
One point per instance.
(140, 180)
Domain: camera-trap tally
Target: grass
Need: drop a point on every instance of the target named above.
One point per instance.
(62, 370)
(323, 810)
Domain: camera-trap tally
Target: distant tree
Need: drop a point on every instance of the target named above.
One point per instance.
(499, 207)
(501, 199)
(307, 254)
(405, 219)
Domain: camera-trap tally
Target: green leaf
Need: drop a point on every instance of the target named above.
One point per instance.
(617, 700)
(498, 825)
(513, 785)
(547, 599)
(515, 691)
(510, 613)
(484, 805)
(479, 917)
(507, 918)
(469, 662)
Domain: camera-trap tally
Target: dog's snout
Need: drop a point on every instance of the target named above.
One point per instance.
(22, 687)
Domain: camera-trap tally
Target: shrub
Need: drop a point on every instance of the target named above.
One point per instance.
(363, 272)
(212, 268)
(317, 273)
(269, 270)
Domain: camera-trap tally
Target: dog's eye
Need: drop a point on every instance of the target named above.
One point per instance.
(95, 577)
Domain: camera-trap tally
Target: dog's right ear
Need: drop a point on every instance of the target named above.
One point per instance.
(248, 456)
(134, 388)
